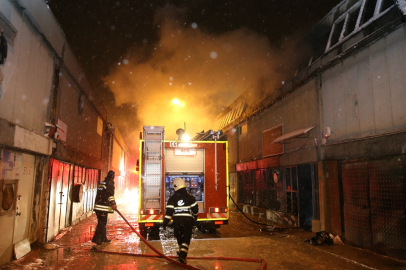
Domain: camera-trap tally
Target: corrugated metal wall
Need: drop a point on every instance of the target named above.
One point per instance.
(374, 206)
(63, 212)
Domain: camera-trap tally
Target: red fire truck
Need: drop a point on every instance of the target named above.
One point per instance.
(203, 166)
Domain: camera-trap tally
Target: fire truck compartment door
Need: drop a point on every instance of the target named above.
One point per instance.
(183, 160)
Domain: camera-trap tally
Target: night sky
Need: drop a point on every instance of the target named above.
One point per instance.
(138, 52)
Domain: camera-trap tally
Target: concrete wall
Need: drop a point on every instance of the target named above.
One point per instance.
(71, 63)
(30, 82)
(365, 94)
(44, 21)
(25, 91)
(81, 127)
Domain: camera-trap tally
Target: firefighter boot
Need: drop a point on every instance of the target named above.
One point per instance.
(184, 248)
(182, 260)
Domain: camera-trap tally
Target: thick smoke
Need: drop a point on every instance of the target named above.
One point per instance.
(204, 72)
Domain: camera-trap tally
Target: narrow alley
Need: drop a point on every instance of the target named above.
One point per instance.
(285, 249)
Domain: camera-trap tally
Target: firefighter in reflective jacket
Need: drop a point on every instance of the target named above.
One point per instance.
(184, 209)
(103, 205)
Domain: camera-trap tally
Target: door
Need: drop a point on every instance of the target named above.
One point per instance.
(8, 192)
(64, 196)
(356, 207)
(68, 195)
(58, 201)
(374, 198)
(54, 200)
(25, 174)
(305, 176)
(16, 192)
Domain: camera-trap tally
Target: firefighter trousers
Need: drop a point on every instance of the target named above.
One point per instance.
(100, 235)
(182, 227)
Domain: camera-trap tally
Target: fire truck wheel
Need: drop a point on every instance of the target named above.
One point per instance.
(144, 233)
(154, 231)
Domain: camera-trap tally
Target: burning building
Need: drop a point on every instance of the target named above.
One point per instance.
(326, 151)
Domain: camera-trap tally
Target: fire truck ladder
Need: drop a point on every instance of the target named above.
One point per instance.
(154, 138)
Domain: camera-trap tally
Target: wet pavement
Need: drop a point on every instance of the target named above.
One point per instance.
(285, 249)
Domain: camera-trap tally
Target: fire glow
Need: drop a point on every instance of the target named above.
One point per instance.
(181, 82)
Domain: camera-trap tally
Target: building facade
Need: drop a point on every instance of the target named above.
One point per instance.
(53, 130)
(327, 150)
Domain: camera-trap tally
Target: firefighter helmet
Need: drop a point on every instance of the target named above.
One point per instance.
(178, 183)
(111, 175)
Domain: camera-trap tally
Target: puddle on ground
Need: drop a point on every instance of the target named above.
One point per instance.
(56, 255)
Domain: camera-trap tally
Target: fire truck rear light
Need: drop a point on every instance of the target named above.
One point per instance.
(150, 212)
(218, 209)
(149, 224)
(218, 222)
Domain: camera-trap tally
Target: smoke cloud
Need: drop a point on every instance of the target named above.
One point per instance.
(191, 76)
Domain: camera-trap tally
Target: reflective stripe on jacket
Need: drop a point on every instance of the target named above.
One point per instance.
(181, 204)
(105, 196)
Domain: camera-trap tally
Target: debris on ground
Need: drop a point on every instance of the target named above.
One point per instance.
(336, 239)
(50, 246)
(321, 238)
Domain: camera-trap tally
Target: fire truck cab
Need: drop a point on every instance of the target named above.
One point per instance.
(201, 164)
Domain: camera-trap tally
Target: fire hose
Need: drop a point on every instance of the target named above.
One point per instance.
(170, 258)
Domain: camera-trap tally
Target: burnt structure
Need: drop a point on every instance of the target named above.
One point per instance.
(326, 151)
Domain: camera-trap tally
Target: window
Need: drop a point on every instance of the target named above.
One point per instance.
(356, 18)
(99, 126)
(243, 129)
(386, 4)
(369, 10)
(352, 21)
(337, 29)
